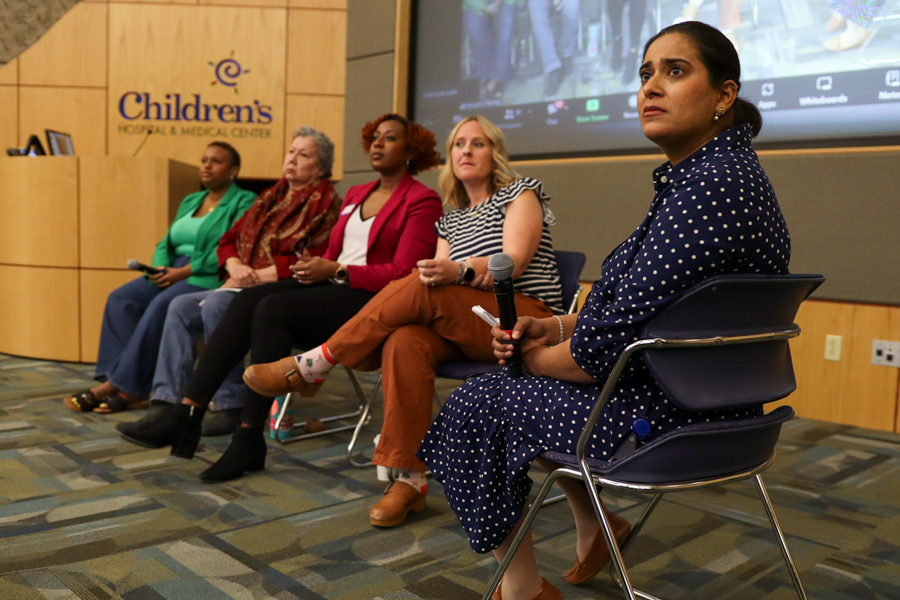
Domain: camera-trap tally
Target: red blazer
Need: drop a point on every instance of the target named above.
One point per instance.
(403, 233)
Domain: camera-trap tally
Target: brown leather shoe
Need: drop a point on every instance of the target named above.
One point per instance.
(598, 557)
(279, 378)
(547, 592)
(396, 503)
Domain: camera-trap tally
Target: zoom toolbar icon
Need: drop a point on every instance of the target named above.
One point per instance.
(892, 78)
(768, 89)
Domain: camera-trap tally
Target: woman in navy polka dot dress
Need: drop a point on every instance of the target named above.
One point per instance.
(714, 212)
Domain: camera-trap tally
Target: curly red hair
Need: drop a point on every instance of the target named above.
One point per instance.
(419, 140)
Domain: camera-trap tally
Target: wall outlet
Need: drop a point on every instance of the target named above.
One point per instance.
(833, 345)
(886, 353)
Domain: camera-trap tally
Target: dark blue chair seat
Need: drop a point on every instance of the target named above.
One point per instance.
(695, 452)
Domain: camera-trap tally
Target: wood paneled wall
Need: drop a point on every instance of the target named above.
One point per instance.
(292, 55)
(59, 255)
(851, 391)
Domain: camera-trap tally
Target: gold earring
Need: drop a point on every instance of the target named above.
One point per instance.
(719, 112)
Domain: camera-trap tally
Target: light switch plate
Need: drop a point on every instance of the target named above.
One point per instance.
(833, 344)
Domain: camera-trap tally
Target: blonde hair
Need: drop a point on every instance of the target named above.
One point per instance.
(502, 173)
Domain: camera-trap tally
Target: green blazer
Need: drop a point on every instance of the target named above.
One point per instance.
(204, 262)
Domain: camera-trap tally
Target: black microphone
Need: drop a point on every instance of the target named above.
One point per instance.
(136, 266)
(501, 268)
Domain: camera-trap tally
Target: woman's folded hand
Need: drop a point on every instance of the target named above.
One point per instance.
(438, 271)
(309, 269)
(241, 273)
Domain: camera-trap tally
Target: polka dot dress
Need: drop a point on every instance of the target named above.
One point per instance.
(714, 213)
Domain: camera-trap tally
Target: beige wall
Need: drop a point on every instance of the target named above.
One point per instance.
(73, 79)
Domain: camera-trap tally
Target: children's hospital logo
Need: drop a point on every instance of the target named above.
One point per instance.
(227, 72)
(198, 116)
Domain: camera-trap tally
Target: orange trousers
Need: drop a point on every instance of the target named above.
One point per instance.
(408, 329)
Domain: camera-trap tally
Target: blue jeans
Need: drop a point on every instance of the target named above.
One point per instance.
(132, 328)
(543, 32)
(490, 38)
(186, 323)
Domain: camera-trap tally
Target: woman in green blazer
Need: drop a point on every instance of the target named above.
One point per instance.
(187, 262)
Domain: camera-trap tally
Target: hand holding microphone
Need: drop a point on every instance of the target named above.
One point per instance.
(162, 277)
(501, 267)
(136, 266)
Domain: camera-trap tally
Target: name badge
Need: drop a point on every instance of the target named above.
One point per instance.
(348, 209)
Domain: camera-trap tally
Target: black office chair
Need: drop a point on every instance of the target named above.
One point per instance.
(570, 264)
(723, 344)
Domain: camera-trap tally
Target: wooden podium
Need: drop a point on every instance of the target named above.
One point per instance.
(68, 225)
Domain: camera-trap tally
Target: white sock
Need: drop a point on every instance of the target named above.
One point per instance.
(416, 479)
(316, 364)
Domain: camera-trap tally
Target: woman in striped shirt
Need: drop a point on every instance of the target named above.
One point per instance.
(425, 319)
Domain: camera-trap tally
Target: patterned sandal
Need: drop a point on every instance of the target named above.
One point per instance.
(82, 401)
(117, 403)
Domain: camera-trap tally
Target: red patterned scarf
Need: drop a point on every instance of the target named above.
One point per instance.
(281, 221)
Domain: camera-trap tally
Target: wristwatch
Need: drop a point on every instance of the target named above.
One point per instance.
(341, 274)
(469, 273)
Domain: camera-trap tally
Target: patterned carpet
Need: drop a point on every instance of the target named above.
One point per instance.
(85, 515)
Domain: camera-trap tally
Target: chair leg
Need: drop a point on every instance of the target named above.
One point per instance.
(611, 542)
(632, 535)
(770, 511)
(364, 415)
(639, 524)
(523, 529)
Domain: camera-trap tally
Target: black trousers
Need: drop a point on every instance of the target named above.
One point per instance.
(269, 320)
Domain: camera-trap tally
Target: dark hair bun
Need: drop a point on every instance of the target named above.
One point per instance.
(745, 112)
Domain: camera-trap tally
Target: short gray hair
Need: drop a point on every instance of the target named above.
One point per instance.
(326, 148)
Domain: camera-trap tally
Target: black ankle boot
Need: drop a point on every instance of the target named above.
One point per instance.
(186, 445)
(247, 452)
(178, 426)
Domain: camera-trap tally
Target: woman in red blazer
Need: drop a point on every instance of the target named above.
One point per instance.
(384, 228)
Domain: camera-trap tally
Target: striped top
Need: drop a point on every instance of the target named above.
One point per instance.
(478, 231)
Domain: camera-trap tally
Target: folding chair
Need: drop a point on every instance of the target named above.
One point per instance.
(570, 265)
(723, 344)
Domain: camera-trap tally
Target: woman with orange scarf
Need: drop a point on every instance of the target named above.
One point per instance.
(294, 216)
